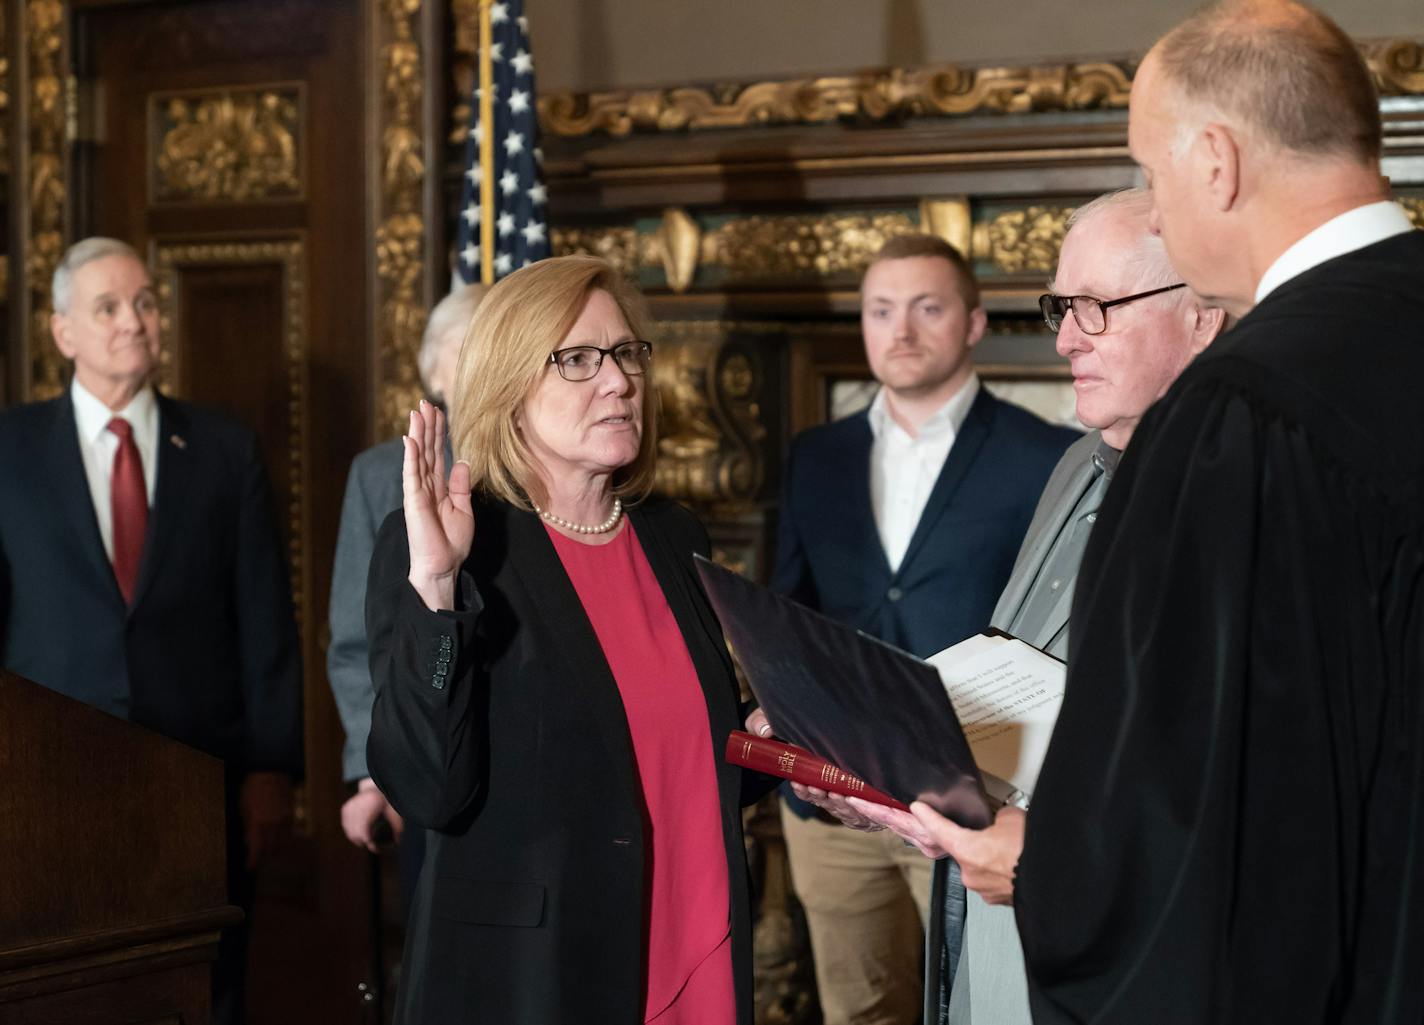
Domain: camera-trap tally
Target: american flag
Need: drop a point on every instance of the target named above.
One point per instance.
(521, 233)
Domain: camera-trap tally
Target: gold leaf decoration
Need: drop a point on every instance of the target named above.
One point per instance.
(226, 146)
(45, 181)
(800, 246)
(399, 239)
(1017, 241)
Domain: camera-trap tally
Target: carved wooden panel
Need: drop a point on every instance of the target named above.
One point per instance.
(234, 337)
(227, 145)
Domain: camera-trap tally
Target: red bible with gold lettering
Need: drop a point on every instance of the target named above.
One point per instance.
(788, 761)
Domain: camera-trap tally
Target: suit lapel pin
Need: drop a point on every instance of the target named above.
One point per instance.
(177, 442)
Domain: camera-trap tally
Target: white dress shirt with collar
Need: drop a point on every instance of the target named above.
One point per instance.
(1352, 230)
(97, 445)
(903, 469)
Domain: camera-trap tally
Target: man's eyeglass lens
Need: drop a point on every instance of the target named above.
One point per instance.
(1091, 315)
(581, 362)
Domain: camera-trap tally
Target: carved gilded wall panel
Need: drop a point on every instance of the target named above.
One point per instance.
(227, 145)
(400, 232)
(170, 261)
(42, 177)
(682, 251)
(712, 434)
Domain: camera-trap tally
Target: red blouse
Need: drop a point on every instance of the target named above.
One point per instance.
(686, 921)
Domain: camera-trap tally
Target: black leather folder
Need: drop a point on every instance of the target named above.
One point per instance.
(867, 706)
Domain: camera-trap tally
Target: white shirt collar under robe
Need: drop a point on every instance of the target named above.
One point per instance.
(1352, 230)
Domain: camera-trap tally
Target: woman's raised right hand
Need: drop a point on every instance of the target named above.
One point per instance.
(439, 517)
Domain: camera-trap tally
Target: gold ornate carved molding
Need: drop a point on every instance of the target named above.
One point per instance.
(742, 250)
(1018, 241)
(399, 239)
(45, 187)
(793, 248)
(170, 259)
(945, 90)
(227, 145)
(1414, 207)
(711, 430)
(871, 95)
(1398, 66)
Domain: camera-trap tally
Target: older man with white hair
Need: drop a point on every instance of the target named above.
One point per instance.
(1128, 326)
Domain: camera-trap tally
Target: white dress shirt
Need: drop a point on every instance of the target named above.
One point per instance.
(1352, 230)
(97, 445)
(903, 469)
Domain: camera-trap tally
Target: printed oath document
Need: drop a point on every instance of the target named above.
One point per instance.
(1006, 695)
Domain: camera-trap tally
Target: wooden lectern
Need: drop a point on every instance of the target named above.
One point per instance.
(112, 879)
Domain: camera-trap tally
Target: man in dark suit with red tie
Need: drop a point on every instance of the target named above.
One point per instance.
(140, 568)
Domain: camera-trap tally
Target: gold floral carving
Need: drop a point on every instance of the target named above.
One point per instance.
(45, 186)
(399, 239)
(800, 245)
(711, 432)
(170, 260)
(620, 246)
(226, 145)
(1414, 207)
(1017, 241)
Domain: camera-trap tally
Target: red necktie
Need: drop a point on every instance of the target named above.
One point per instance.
(129, 500)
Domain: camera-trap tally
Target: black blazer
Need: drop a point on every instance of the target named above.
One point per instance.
(516, 756)
(207, 654)
(829, 554)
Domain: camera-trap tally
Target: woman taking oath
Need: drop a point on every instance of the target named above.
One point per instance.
(553, 691)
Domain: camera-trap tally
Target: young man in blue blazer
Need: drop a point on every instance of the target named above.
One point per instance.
(903, 521)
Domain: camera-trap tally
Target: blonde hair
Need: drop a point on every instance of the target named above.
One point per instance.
(505, 355)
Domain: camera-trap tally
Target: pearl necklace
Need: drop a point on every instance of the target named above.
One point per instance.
(582, 528)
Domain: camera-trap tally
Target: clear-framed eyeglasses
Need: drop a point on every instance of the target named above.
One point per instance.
(582, 362)
(1091, 315)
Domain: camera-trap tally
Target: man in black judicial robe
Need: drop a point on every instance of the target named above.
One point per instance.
(1229, 826)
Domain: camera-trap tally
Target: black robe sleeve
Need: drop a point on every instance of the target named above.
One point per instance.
(1232, 755)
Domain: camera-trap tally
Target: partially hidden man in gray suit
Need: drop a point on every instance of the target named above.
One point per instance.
(373, 490)
(1128, 327)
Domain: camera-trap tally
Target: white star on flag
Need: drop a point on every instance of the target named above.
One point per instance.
(502, 153)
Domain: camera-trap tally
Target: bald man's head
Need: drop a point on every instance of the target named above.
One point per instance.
(1283, 73)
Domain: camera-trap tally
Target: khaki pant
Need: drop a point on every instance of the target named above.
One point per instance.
(866, 897)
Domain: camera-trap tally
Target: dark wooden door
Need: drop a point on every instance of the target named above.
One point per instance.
(225, 139)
